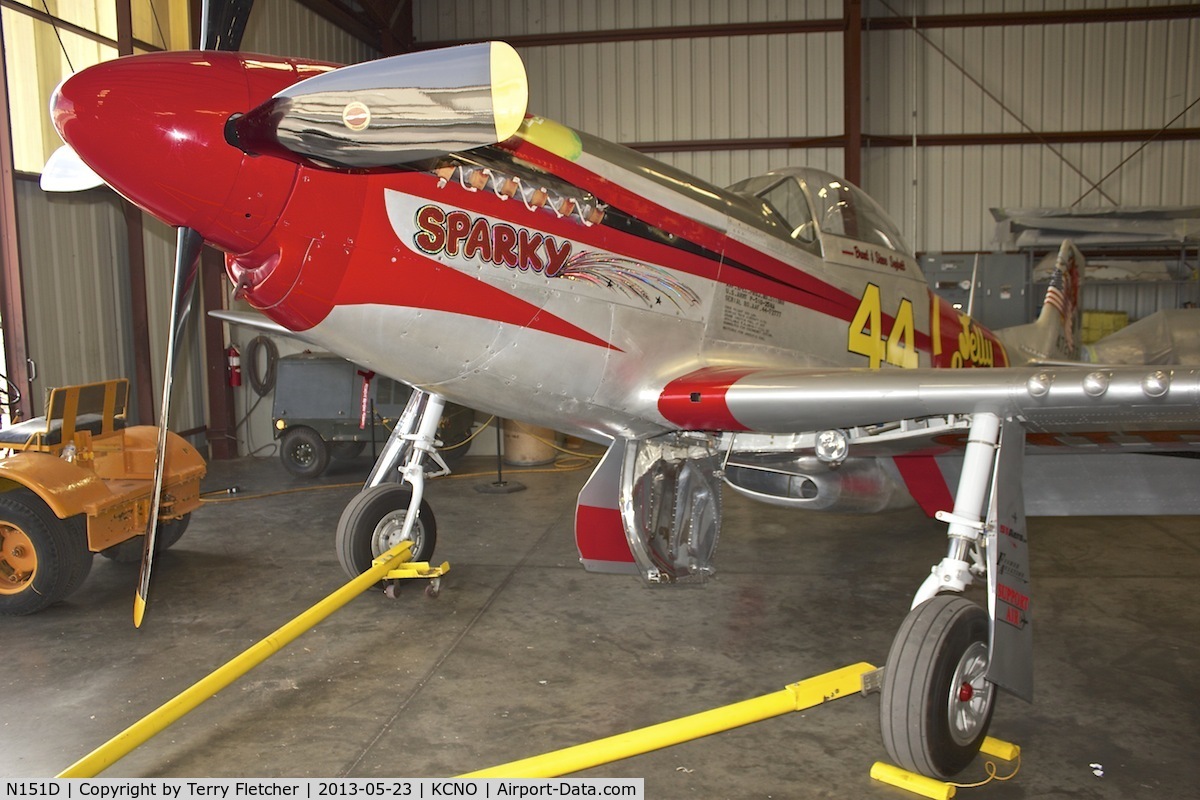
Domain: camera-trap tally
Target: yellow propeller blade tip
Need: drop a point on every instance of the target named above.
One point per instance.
(510, 90)
(139, 610)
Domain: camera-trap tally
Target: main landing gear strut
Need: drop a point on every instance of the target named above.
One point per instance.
(950, 656)
(391, 508)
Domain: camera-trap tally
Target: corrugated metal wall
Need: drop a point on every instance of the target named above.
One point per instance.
(1046, 78)
(75, 259)
(73, 251)
(663, 90)
(1062, 77)
(287, 28)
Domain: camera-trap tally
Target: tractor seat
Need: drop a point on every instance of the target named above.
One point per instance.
(24, 432)
(98, 408)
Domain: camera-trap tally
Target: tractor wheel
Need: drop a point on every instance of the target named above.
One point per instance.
(38, 558)
(82, 567)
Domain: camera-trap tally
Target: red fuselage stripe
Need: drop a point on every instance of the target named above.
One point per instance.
(756, 271)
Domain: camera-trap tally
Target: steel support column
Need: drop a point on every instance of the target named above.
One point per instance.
(12, 298)
(143, 372)
(852, 78)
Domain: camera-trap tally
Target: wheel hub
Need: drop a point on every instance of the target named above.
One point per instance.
(390, 532)
(303, 454)
(18, 560)
(970, 695)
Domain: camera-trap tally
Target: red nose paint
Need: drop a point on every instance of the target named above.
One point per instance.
(153, 126)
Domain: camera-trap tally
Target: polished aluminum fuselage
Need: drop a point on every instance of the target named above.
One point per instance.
(529, 313)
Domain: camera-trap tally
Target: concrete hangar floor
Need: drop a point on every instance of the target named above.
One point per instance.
(524, 652)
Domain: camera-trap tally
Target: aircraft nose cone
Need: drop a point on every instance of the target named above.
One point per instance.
(152, 126)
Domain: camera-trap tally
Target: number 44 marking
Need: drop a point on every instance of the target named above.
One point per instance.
(866, 336)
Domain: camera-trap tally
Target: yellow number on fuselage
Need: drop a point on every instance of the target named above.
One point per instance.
(866, 329)
(866, 336)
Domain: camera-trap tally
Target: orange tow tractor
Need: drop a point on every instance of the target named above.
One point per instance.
(78, 482)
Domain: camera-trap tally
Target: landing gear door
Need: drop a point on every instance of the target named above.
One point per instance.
(1011, 644)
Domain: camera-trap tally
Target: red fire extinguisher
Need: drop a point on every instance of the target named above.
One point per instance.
(235, 366)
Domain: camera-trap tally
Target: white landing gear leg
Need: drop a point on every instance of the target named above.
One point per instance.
(936, 702)
(386, 513)
(953, 573)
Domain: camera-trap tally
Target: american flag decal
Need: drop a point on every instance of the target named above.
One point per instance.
(1063, 294)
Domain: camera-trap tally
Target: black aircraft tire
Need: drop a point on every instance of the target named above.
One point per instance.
(303, 452)
(372, 522)
(931, 722)
(39, 555)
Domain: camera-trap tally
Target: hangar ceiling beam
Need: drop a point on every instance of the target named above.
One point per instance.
(647, 34)
(777, 27)
(1037, 18)
(923, 140)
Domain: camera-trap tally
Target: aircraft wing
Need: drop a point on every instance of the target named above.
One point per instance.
(1046, 399)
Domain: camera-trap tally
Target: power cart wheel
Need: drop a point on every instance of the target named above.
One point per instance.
(38, 562)
(345, 451)
(303, 452)
(936, 704)
(373, 523)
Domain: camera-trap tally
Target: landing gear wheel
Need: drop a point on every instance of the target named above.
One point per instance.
(936, 703)
(131, 551)
(40, 561)
(372, 524)
(303, 452)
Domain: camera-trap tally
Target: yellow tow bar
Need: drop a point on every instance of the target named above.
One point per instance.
(392, 564)
(795, 697)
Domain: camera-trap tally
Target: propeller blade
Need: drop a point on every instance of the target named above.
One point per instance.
(394, 110)
(66, 172)
(187, 262)
(224, 24)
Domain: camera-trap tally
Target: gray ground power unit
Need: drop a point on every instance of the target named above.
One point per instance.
(318, 408)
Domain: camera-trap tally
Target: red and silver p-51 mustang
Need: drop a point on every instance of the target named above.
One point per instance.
(776, 337)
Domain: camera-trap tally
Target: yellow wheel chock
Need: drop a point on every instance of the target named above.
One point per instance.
(933, 788)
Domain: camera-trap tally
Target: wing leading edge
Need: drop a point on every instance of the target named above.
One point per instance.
(1045, 399)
